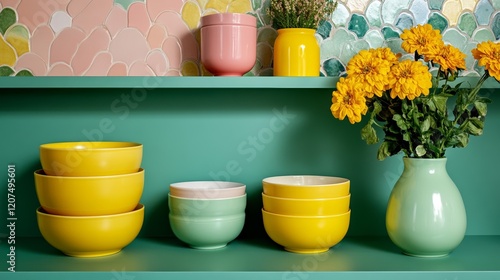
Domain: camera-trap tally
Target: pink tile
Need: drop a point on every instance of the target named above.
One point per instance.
(140, 68)
(37, 12)
(117, 20)
(156, 7)
(10, 3)
(158, 62)
(65, 45)
(101, 65)
(156, 35)
(75, 7)
(173, 72)
(172, 49)
(138, 17)
(60, 20)
(96, 42)
(32, 62)
(128, 46)
(177, 27)
(118, 69)
(93, 15)
(60, 69)
(41, 40)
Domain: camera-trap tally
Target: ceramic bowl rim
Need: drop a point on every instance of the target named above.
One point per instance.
(207, 199)
(54, 146)
(271, 181)
(306, 217)
(348, 196)
(139, 208)
(41, 173)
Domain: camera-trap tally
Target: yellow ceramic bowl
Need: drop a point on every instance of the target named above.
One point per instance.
(308, 186)
(306, 234)
(90, 236)
(90, 158)
(89, 196)
(306, 207)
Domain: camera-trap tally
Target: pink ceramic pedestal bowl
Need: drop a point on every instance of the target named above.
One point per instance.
(228, 43)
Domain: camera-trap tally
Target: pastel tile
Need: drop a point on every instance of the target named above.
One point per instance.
(356, 6)
(35, 13)
(496, 4)
(156, 7)
(373, 13)
(137, 46)
(264, 54)
(495, 27)
(436, 4)
(267, 35)
(404, 21)
(140, 68)
(100, 65)
(332, 46)
(32, 62)
(138, 17)
(8, 17)
(352, 48)
(172, 49)
(156, 35)
(189, 68)
(93, 15)
(374, 38)
(395, 45)
(389, 33)
(8, 53)
(333, 67)
(176, 27)
(420, 10)
(340, 15)
(191, 14)
(483, 34)
(358, 25)
(455, 38)
(65, 45)
(95, 43)
(10, 3)
(18, 37)
(391, 8)
(218, 5)
(158, 62)
(41, 40)
(469, 60)
(175, 73)
(470, 4)
(116, 20)
(60, 69)
(438, 21)
(60, 20)
(239, 6)
(118, 69)
(467, 23)
(452, 9)
(324, 29)
(75, 7)
(126, 3)
(483, 12)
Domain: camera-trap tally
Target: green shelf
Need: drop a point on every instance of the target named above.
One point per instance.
(167, 258)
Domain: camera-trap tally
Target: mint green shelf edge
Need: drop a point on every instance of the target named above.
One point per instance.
(188, 82)
(355, 258)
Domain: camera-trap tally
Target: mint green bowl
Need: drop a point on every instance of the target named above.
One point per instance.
(207, 233)
(197, 207)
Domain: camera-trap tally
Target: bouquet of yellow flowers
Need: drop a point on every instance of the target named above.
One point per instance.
(408, 102)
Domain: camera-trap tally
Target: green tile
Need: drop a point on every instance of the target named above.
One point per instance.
(469, 60)
(388, 33)
(7, 18)
(352, 48)
(484, 34)
(373, 13)
(483, 12)
(454, 37)
(436, 4)
(467, 23)
(324, 29)
(438, 21)
(267, 34)
(126, 3)
(495, 26)
(341, 15)
(374, 38)
(496, 4)
(420, 10)
(332, 47)
(358, 25)
(391, 9)
(404, 21)
(395, 45)
(333, 67)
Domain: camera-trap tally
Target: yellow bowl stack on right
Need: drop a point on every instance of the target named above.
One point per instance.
(306, 214)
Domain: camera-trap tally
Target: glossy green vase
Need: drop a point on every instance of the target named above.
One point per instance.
(426, 215)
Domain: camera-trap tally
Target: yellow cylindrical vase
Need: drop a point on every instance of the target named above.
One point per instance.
(296, 53)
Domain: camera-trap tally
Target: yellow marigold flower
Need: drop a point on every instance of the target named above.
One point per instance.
(410, 80)
(371, 70)
(447, 56)
(348, 100)
(488, 55)
(419, 38)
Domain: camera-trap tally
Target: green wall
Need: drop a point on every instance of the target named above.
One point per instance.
(194, 134)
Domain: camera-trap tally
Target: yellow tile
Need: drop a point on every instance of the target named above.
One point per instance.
(240, 6)
(190, 68)
(452, 9)
(7, 53)
(218, 5)
(191, 14)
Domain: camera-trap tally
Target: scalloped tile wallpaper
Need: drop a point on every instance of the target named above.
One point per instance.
(161, 37)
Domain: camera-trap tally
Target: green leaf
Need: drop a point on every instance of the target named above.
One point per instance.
(460, 140)
(420, 150)
(369, 134)
(400, 121)
(407, 137)
(426, 124)
(6, 71)
(440, 102)
(481, 107)
(24, 73)
(383, 151)
(475, 126)
(7, 18)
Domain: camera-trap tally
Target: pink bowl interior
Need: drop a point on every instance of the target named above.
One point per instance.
(207, 189)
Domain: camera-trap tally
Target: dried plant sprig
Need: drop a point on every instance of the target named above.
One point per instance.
(300, 13)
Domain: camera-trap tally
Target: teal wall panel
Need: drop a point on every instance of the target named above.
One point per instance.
(240, 135)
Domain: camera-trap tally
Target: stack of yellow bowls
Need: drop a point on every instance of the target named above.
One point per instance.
(90, 194)
(306, 214)
(207, 214)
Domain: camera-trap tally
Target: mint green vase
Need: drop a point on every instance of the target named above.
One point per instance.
(426, 215)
